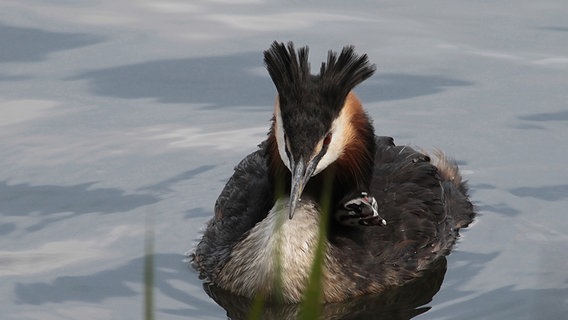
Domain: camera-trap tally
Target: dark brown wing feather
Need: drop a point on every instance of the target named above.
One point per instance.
(423, 214)
(245, 200)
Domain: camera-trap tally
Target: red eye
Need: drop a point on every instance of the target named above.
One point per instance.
(327, 139)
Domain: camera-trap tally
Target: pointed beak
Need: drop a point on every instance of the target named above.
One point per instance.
(301, 174)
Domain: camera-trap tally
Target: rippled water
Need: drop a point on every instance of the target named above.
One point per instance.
(112, 111)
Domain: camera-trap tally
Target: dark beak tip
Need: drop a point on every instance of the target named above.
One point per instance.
(292, 210)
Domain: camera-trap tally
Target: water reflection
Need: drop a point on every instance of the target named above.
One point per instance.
(222, 81)
(396, 86)
(23, 199)
(233, 80)
(9, 78)
(555, 28)
(510, 303)
(501, 208)
(166, 185)
(548, 193)
(7, 228)
(118, 282)
(28, 44)
(547, 116)
(404, 302)
(53, 203)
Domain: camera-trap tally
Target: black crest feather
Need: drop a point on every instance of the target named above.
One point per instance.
(287, 70)
(290, 72)
(339, 75)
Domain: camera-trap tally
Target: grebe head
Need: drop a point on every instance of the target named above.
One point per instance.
(312, 125)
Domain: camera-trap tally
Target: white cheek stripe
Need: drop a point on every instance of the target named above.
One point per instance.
(280, 141)
(336, 147)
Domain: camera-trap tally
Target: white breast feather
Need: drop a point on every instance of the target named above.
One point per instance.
(252, 267)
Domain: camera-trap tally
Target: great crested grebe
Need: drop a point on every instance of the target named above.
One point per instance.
(393, 211)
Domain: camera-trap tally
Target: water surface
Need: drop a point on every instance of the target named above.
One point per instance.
(112, 111)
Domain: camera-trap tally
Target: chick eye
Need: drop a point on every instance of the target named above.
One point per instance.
(327, 139)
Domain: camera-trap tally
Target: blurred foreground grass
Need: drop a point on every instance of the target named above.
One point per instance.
(149, 267)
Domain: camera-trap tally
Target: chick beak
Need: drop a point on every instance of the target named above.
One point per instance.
(301, 174)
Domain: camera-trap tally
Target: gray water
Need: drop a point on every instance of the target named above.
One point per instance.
(111, 111)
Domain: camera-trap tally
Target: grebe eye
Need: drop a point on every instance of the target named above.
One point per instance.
(327, 139)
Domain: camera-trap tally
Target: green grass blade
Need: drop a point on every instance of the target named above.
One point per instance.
(311, 306)
(256, 308)
(149, 268)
